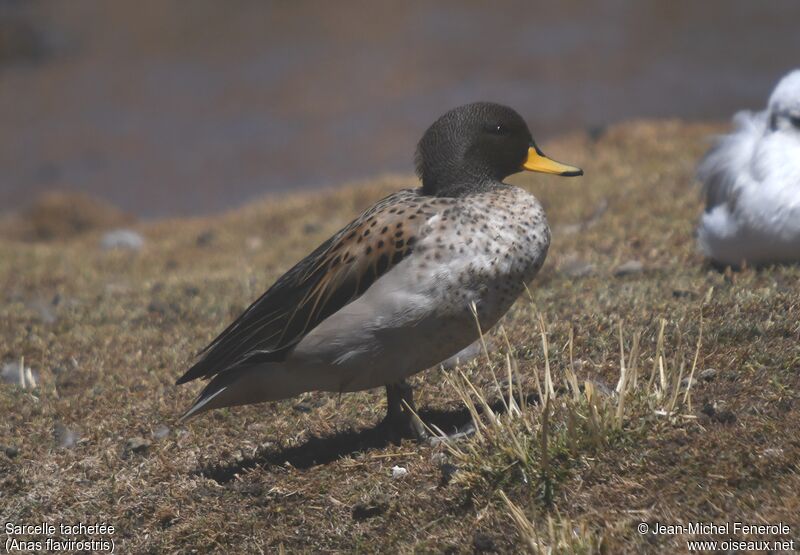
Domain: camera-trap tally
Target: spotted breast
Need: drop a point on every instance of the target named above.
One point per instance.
(482, 248)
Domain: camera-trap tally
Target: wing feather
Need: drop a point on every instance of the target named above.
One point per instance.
(335, 274)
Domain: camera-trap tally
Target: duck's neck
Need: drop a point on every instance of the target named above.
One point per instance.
(458, 183)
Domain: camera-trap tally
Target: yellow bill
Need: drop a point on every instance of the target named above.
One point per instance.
(538, 162)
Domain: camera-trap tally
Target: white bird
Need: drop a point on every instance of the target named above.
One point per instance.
(751, 181)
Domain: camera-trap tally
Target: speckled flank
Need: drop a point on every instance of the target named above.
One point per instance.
(482, 248)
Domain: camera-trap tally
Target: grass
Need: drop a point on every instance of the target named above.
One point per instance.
(535, 447)
(671, 389)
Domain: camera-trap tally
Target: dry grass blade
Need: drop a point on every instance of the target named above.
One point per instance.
(657, 362)
(466, 398)
(526, 529)
(572, 379)
(485, 350)
(523, 398)
(545, 454)
(549, 391)
(622, 385)
(686, 398)
(623, 372)
(561, 536)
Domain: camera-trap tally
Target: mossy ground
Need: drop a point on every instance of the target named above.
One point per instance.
(108, 332)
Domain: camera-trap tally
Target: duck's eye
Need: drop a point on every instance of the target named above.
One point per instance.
(498, 129)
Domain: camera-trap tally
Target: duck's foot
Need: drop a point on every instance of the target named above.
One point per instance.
(400, 421)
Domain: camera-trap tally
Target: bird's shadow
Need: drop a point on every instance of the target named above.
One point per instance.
(317, 451)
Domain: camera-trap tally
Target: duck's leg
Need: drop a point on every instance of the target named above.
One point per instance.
(400, 421)
(413, 421)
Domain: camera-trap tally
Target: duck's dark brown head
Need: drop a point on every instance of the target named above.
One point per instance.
(478, 144)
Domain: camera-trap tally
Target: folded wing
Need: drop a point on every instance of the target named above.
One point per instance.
(335, 274)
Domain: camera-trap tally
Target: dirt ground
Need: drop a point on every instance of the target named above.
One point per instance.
(704, 431)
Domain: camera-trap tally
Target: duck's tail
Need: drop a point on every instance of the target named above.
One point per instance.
(246, 385)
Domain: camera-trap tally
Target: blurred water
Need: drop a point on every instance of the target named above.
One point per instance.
(190, 106)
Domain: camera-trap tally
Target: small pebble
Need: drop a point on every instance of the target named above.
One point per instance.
(567, 229)
(772, 452)
(9, 450)
(206, 238)
(398, 472)
(576, 268)
(122, 239)
(629, 267)
(708, 374)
